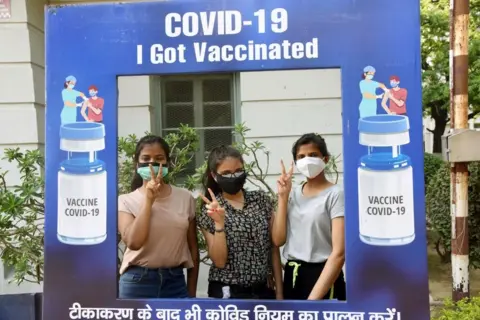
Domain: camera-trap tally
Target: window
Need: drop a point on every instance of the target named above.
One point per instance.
(204, 103)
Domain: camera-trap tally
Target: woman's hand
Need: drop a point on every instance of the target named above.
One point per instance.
(271, 281)
(284, 183)
(155, 184)
(214, 211)
(271, 284)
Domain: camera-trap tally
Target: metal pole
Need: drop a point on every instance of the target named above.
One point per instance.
(459, 15)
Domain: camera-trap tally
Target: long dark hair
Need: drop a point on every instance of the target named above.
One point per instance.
(137, 180)
(216, 156)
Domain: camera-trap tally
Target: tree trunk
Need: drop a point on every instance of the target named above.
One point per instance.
(440, 115)
(440, 125)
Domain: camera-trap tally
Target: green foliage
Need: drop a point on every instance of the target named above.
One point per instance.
(435, 19)
(435, 62)
(462, 310)
(22, 216)
(432, 163)
(438, 212)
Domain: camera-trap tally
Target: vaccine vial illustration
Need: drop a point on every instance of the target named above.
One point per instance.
(385, 182)
(82, 185)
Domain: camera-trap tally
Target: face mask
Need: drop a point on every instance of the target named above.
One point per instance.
(71, 86)
(310, 167)
(93, 94)
(231, 185)
(393, 84)
(369, 76)
(144, 170)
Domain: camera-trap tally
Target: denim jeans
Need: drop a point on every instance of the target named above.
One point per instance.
(141, 282)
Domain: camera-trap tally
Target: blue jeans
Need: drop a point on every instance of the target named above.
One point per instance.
(145, 283)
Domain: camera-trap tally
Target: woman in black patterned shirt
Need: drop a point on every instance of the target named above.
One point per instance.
(237, 227)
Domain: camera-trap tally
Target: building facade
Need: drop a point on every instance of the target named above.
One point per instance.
(277, 106)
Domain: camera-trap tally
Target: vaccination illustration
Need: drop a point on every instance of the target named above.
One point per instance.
(393, 99)
(91, 107)
(82, 177)
(385, 175)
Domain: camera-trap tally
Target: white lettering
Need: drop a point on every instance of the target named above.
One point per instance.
(168, 55)
(308, 315)
(75, 311)
(139, 54)
(261, 313)
(208, 22)
(195, 313)
(168, 314)
(145, 314)
(255, 51)
(171, 31)
(203, 23)
(190, 25)
(391, 314)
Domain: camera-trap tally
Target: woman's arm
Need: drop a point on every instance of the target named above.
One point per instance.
(70, 104)
(368, 95)
(217, 246)
(192, 273)
(277, 272)
(335, 261)
(212, 223)
(135, 230)
(381, 85)
(279, 225)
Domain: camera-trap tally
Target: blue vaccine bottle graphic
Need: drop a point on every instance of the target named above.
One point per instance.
(82, 185)
(385, 182)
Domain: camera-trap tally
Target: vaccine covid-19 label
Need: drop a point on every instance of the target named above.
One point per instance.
(385, 202)
(82, 208)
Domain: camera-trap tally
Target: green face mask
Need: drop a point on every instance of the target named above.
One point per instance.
(144, 170)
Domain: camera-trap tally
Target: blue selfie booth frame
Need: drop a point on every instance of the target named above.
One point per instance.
(96, 43)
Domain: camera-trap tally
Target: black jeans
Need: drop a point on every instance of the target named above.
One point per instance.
(258, 291)
(300, 278)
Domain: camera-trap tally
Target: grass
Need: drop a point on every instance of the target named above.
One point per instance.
(440, 278)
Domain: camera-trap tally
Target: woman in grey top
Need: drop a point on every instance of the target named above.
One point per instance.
(310, 223)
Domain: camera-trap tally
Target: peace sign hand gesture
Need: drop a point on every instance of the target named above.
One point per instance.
(155, 183)
(284, 183)
(214, 211)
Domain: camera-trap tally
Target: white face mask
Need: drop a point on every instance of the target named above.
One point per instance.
(310, 167)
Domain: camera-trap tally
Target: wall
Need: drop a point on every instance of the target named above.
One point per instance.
(280, 106)
(22, 95)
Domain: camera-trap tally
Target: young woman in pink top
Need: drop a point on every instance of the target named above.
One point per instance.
(157, 223)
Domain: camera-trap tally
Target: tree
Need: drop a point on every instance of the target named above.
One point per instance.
(435, 21)
(22, 216)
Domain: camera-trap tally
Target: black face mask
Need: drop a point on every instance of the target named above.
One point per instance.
(231, 185)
